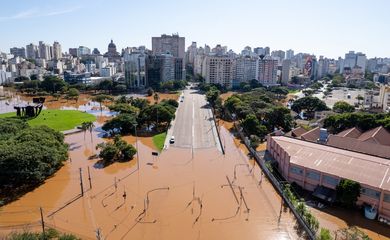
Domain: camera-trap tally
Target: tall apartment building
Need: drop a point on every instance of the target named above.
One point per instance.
(353, 59)
(173, 45)
(57, 51)
(218, 70)
(159, 68)
(267, 74)
(246, 69)
(286, 64)
(135, 69)
(18, 52)
(32, 51)
(289, 54)
(44, 51)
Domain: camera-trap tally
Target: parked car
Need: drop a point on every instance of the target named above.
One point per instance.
(172, 140)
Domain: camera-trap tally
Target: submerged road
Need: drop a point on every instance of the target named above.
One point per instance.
(193, 126)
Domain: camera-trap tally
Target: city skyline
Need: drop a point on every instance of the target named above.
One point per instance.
(338, 27)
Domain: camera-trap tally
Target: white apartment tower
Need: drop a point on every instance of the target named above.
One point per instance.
(246, 69)
(218, 70)
(57, 51)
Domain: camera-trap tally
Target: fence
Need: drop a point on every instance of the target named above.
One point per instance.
(277, 185)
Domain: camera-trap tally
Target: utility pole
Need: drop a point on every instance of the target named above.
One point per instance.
(42, 223)
(89, 179)
(81, 182)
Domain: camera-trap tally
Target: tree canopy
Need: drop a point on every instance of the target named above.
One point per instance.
(309, 104)
(343, 107)
(348, 192)
(28, 155)
(116, 151)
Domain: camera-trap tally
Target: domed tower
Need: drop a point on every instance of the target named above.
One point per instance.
(112, 54)
(112, 47)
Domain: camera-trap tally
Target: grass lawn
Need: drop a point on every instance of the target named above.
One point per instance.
(159, 140)
(292, 91)
(59, 120)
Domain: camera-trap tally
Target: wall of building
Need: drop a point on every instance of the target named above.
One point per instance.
(309, 179)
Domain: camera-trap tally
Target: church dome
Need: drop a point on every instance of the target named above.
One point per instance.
(111, 45)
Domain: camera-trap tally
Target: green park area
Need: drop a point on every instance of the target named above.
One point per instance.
(159, 140)
(59, 120)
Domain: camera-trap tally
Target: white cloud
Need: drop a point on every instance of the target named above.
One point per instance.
(34, 12)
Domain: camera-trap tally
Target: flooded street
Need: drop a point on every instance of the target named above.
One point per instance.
(184, 193)
(199, 204)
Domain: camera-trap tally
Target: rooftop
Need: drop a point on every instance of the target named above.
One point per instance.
(363, 168)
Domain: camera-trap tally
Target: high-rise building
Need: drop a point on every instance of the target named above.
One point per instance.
(32, 51)
(159, 68)
(191, 53)
(44, 51)
(267, 74)
(245, 69)
(57, 50)
(267, 51)
(279, 54)
(18, 52)
(361, 61)
(74, 52)
(289, 54)
(218, 70)
(286, 71)
(173, 45)
(135, 69)
(82, 50)
(259, 51)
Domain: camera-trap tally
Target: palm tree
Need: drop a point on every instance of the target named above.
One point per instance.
(156, 97)
(87, 126)
(84, 127)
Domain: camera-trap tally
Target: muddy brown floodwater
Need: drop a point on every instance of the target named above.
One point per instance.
(171, 196)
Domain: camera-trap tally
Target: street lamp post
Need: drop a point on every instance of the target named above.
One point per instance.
(136, 143)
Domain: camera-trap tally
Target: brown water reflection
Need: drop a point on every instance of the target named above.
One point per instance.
(197, 194)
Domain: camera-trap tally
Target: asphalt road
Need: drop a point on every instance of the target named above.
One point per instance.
(193, 126)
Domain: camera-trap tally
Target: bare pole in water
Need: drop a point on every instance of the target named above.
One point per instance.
(42, 222)
(89, 179)
(81, 182)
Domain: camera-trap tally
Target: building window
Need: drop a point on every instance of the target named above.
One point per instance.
(386, 198)
(296, 170)
(330, 180)
(313, 175)
(370, 193)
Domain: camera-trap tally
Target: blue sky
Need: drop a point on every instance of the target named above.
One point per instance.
(322, 27)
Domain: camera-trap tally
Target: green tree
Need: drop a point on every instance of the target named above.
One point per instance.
(343, 107)
(106, 85)
(212, 95)
(359, 98)
(156, 97)
(348, 192)
(324, 234)
(150, 92)
(116, 151)
(52, 84)
(124, 108)
(124, 123)
(73, 93)
(100, 99)
(279, 117)
(309, 104)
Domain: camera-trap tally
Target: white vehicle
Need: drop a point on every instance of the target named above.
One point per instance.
(172, 140)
